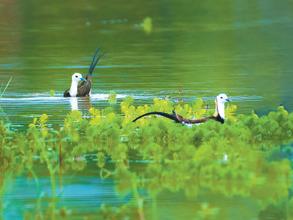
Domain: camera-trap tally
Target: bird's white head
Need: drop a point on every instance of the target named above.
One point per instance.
(221, 99)
(76, 77)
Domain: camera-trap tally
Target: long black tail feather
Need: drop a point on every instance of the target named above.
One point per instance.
(166, 115)
(97, 56)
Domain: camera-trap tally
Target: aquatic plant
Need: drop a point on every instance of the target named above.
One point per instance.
(3, 89)
(52, 93)
(112, 98)
(147, 25)
(232, 159)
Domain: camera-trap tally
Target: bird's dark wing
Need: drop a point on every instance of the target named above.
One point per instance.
(84, 88)
(66, 93)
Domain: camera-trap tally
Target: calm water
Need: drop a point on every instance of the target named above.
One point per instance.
(194, 49)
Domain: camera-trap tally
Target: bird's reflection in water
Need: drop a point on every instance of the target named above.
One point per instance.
(80, 103)
(73, 103)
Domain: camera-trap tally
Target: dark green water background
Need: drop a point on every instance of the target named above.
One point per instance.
(195, 49)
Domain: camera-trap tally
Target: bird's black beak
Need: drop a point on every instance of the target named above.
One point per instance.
(82, 79)
(228, 100)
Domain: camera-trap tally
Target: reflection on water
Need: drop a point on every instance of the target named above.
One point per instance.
(74, 103)
(83, 194)
(80, 104)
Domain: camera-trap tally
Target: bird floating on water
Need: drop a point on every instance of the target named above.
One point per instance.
(219, 114)
(81, 87)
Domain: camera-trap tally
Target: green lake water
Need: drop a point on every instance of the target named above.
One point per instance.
(193, 49)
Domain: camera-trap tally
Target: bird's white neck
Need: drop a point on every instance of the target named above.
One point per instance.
(220, 110)
(73, 88)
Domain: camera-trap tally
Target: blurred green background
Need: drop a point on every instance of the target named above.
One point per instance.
(153, 48)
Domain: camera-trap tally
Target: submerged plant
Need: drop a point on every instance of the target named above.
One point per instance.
(4, 88)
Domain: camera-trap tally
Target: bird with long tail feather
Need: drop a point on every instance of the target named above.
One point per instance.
(219, 114)
(81, 87)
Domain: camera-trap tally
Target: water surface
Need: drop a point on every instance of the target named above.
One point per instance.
(195, 49)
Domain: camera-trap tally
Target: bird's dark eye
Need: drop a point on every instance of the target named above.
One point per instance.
(221, 97)
(76, 76)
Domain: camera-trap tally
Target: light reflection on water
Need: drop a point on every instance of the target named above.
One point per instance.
(83, 194)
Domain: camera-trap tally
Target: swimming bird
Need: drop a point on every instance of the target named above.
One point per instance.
(219, 114)
(80, 86)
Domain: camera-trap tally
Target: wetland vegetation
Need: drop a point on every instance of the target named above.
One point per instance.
(239, 159)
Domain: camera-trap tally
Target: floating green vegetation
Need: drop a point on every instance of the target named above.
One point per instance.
(112, 98)
(147, 25)
(232, 159)
(52, 93)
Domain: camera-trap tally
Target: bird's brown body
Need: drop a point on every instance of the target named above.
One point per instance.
(83, 89)
(179, 119)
